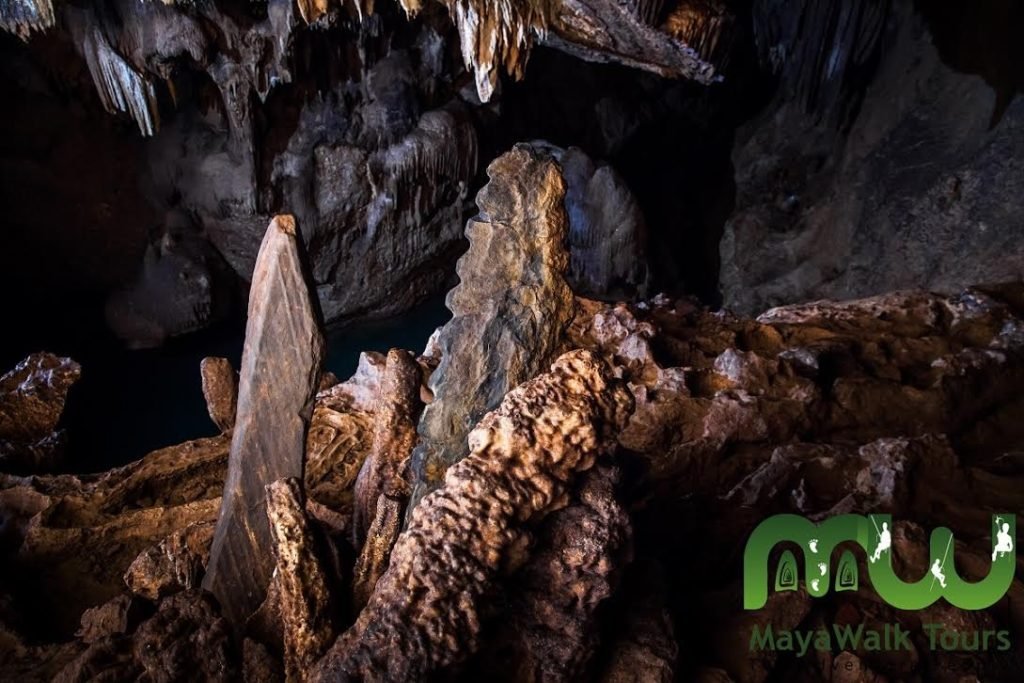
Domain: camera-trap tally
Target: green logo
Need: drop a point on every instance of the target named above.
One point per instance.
(873, 533)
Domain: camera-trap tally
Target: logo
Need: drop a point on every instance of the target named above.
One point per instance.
(873, 533)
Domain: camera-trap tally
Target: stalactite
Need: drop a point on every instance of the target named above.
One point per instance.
(22, 17)
(121, 88)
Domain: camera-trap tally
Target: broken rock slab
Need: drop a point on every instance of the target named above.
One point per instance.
(280, 374)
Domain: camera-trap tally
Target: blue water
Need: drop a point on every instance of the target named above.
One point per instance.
(130, 402)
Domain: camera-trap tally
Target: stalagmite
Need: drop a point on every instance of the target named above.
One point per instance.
(22, 17)
(376, 552)
(425, 612)
(510, 308)
(394, 435)
(279, 377)
(304, 598)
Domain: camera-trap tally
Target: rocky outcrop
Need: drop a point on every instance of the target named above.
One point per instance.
(385, 470)
(220, 389)
(305, 602)
(518, 566)
(425, 611)
(509, 309)
(280, 374)
(32, 397)
(876, 170)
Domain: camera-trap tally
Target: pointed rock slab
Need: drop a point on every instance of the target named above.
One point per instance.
(280, 373)
(510, 308)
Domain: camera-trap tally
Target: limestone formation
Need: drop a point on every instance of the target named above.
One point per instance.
(341, 435)
(279, 377)
(425, 611)
(184, 640)
(551, 630)
(384, 472)
(220, 389)
(498, 37)
(32, 397)
(174, 564)
(509, 309)
(518, 567)
(875, 170)
(376, 549)
(305, 603)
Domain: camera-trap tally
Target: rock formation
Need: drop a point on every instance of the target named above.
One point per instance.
(220, 389)
(498, 37)
(181, 288)
(519, 565)
(509, 309)
(385, 470)
(280, 374)
(32, 397)
(307, 609)
(425, 612)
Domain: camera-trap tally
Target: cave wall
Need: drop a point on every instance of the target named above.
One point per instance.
(898, 163)
(814, 149)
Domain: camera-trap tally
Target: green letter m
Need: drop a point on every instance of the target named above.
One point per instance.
(816, 541)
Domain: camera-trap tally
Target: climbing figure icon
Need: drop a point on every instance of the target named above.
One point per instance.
(1004, 542)
(937, 573)
(884, 542)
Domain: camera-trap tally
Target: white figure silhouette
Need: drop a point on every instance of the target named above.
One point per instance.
(822, 568)
(813, 545)
(884, 543)
(937, 573)
(1004, 544)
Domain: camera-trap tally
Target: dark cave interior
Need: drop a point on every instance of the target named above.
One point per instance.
(795, 235)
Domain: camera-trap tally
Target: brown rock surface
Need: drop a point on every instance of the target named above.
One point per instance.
(551, 628)
(425, 612)
(376, 551)
(280, 374)
(384, 472)
(305, 603)
(220, 389)
(32, 397)
(509, 309)
(907, 403)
